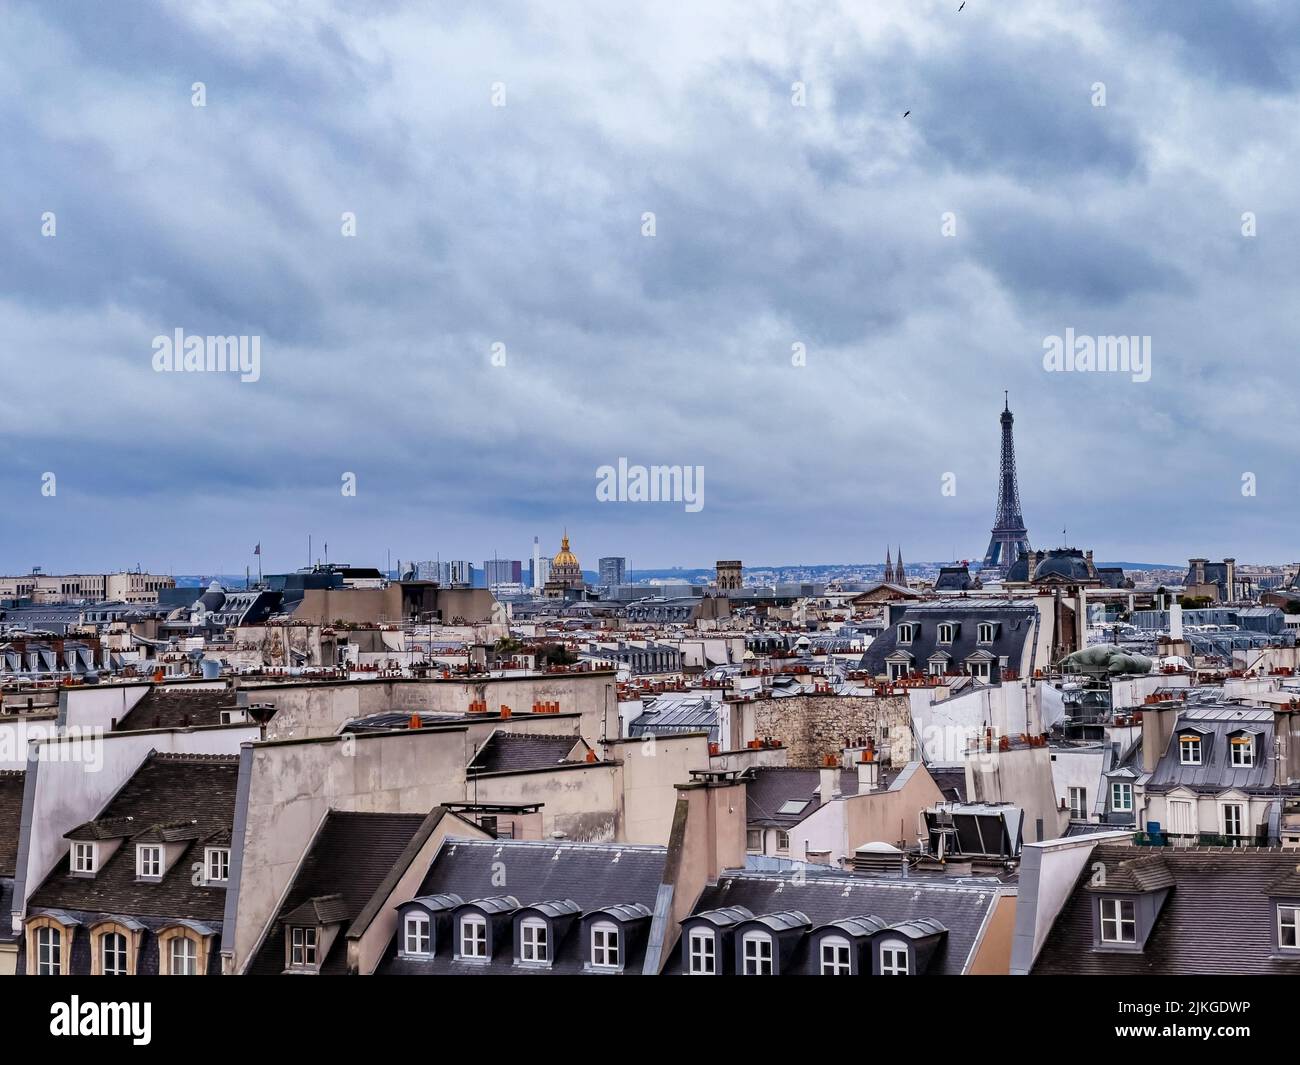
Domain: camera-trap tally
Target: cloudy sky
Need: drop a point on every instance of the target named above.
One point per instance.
(522, 225)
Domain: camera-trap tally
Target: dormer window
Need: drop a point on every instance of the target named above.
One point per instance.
(905, 633)
(1288, 927)
(217, 862)
(757, 954)
(1243, 750)
(148, 862)
(986, 632)
(835, 957)
(947, 632)
(49, 951)
(84, 859)
(605, 946)
(415, 935)
(1189, 749)
(894, 958)
(1121, 796)
(533, 940)
(304, 946)
(1118, 921)
(473, 936)
(702, 953)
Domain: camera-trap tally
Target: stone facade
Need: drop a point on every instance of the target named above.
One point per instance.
(813, 726)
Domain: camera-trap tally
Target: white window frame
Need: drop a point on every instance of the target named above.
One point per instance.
(534, 941)
(947, 632)
(754, 841)
(119, 966)
(49, 951)
(304, 946)
(183, 956)
(840, 961)
(906, 633)
(1122, 917)
(782, 841)
(702, 947)
(477, 943)
(85, 858)
(1078, 808)
(895, 958)
(417, 927)
(1121, 796)
(606, 946)
(985, 633)
(1243, 751)
(149, 856)
(761, 957)
(980, 670)
(1285, 925)
(1225, 820)
(1188, 744)
(216, 864)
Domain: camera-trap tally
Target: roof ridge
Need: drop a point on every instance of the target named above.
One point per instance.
(552, 843)
(183, 756)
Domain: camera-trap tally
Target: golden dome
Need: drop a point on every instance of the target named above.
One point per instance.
(565, 557)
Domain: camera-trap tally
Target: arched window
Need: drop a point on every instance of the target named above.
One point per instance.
(415, 937)
(757, 954)
(473, 936)
(893, 958)
(533, 940)
(49, 951)
(605, 945)
(183, 956)
(112, 954)
(836, 957)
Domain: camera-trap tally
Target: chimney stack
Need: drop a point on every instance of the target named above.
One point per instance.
(868, 772)
(830, 782)
(1286, 734)
(1158, 724)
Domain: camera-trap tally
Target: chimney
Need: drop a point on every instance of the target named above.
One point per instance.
(1286, 734)
(1230, 564)
(830, 780)
(868, 772)
(1158, 723)
(1198, 569)
(1175, 621)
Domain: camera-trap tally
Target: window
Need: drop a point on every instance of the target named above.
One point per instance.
(83, 858)
(112, 954)
(1078, 802)
(702, 953)
(835, 957)
(782, 841)
(905, 633)
(792, 806)
(604, 946)
(1121, 796)
(937, 667)
(1243, 750)
(49, 951)
(979, 669)
(218, 864)
(893, 959)
(946, 632)
(415, 939)
(1118, 921)
(758, 954)
(985, 632)
(754, 840)
(184, 953)
(1189, 749)
(1288, 917)
(532, 940)
(148, 862)
(303, 944)
(1232, 819)
(473, 937)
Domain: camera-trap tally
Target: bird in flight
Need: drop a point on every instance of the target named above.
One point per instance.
(906, 113)
(963, 4)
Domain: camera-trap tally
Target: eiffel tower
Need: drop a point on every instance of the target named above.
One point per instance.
(1010, 538)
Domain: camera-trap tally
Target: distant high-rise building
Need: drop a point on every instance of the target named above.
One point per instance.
(541, 573)
(502, 571)
(613, 571)
(729, 576)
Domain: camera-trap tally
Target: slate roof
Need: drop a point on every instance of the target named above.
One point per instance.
(1014, 623)
(505, 752)
(1217, 917)
(11, 809)
(961, 909)
(181, 707)
(166, 788)
(949, 780)
(1216, 724)
(767, 788)
(676, 712)
(954, 579)
(596, 876)
(350, 857)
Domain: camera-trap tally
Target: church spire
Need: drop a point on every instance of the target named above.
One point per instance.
(900, 577)
(889, 567)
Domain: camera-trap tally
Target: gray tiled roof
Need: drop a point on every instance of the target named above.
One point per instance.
(504, 752)
(1014, 624)
(1216, 724)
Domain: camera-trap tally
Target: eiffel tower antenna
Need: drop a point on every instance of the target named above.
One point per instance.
(1010, 538)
